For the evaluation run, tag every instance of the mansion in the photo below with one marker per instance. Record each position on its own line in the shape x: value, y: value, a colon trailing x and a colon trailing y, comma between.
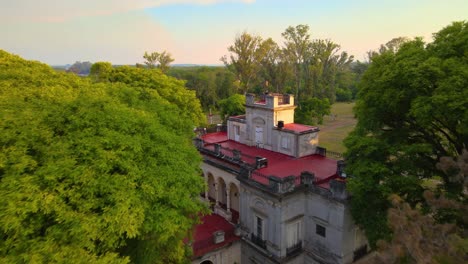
x: 276, y: 196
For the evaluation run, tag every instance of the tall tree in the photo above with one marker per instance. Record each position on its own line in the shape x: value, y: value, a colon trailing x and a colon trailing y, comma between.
x: 296, y: 47
x: 412, y: 110
x: 393, y: 46
x: 275, y: 67
x: 325, y: 63
x: 244, y: 60
x: 151, y: 59
x: 165, y: 58
x: 159, y: 60
x: 93, y: 172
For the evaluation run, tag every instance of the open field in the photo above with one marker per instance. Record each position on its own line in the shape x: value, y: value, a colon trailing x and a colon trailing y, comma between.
x: 337, y: 126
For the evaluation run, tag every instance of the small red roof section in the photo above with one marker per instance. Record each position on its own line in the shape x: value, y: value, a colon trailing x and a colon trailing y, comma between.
x: 299, y: 128
x: 215, y: 137
x: 238, y: 117
x: 281, y: 165
x: 203, y: 241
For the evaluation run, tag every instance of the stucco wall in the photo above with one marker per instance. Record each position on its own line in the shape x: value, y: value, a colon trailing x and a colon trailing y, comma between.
x: 229, y: 254
x: 311, y: 209
x: 286, y: 115
x: 308, y: 144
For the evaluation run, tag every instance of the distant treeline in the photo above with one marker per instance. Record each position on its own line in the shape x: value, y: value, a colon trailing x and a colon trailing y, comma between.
x: 214, y: 83
x: 210, y: 84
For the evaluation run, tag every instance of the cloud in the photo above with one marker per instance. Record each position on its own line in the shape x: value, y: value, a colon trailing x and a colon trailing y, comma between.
x: 60, y: 11
x: 118, y: 38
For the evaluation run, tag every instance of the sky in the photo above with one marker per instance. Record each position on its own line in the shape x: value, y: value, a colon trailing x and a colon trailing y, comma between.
x: 60, y: 32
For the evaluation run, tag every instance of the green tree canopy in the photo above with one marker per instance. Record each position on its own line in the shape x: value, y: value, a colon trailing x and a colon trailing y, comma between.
x: 312, y: 111
x: 246, y: 54
x: 95, y: 172
x: 303, y: 66
x: 100, y: 71
x: 231, y: 106
x: 412, y: 110
x: 160, y: 85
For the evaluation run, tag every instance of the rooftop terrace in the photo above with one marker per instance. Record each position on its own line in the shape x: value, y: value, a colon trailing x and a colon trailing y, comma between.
x: 266, y: 163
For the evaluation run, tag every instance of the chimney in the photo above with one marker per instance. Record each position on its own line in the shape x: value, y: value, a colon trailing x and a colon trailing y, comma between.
x: 218, y: 237
x: 280, y: 124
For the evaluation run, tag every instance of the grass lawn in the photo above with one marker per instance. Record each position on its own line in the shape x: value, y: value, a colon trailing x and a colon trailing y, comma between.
x: 337, y: 126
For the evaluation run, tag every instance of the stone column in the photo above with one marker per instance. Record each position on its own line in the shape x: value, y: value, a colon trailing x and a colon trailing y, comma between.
x: 228, y: 198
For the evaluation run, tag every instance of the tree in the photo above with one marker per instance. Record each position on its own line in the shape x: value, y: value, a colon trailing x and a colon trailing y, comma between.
x: 94, y: 171
x: 100, y: 71
x: 412, y: 110
x: 210, y: 83
x: 81, y: 68
x: 244, y: 60
x: 419, y: 237
x: 232, y: 106
x: 162, y: 59
x: 392, y: 46
x: 325, y: 65
x: 169, y: 88
x: 312, y: 111
x: 151, y: 59
x: 296, y: 47
x: 308, y: 68
x: 275, y: 67
x: 165, y: 59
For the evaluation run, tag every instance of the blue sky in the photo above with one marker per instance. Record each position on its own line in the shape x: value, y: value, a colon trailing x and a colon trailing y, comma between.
x: 199, y: 31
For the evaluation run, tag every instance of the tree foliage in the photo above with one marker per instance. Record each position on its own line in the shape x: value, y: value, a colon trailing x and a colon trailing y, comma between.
x: 420, y: 237
x: 246, y: 54
x: 297, y: 45
x: 81, y: 68
x: 100, y: 71
x: 231, y: 106
x: 95, y: 172
x: 412, y: 110
x: 159, y: 60
x: 312, y: 111
x: 308, y: 68
x: 210, y: 84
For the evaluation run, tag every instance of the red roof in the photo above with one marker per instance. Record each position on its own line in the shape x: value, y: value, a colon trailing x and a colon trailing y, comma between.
x: 215, y: 137
x: 281, y: 165
x: 299, y: 128
x: 238, y: 117
x: 203, y: 241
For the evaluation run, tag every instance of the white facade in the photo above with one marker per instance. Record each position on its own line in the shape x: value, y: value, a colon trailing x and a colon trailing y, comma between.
x: 287, y: 219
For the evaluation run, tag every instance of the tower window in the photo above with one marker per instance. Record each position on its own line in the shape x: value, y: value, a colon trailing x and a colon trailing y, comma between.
x: 320, y: 230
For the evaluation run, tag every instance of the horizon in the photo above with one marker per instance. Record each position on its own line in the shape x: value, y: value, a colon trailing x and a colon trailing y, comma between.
x: 199, y: 31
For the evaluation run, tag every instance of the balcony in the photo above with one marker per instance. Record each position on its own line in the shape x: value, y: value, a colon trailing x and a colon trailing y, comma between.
x: 258, y: 241
x: 295, y: 249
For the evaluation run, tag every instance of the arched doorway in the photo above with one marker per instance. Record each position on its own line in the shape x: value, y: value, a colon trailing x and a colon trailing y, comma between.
x: 234, y: 197
x: 222, y: 195
x: 207, y: 262
x: 211, y: 187
x: 234, y: 202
